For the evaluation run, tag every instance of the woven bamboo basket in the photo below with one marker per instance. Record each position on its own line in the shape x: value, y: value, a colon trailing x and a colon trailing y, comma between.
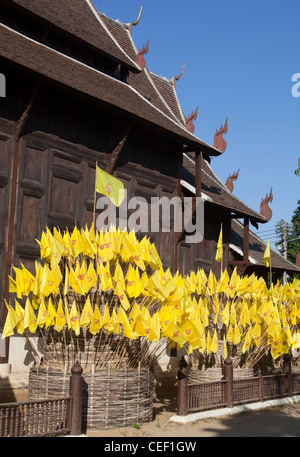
x: 111, y: 398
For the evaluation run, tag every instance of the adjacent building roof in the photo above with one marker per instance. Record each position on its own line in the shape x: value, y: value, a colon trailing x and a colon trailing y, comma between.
x: 257, y: 249
x: 216, y: 191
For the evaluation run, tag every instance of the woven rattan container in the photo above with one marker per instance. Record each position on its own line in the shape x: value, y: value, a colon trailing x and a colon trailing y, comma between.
x: 111, y: 398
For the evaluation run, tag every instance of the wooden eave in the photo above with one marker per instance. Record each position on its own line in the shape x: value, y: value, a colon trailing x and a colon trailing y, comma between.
x: 218, y: 194
x: 93, y: 84
x: 78, y: 19
x: 257, y: 249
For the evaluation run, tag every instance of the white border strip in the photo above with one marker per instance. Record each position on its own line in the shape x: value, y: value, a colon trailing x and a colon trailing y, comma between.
x: 235, y: 410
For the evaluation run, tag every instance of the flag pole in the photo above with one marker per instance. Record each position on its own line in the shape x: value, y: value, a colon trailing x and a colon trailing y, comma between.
x: 94, y: 212
x: 222, y: 249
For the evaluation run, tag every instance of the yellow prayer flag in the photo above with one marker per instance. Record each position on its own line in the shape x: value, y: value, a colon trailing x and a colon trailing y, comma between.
x: 96, y: 322
x: 173, y: 332
x: 267, y: 255
x: 127, y: 329
x: 109, y: 186
x: 60, y: 319
x: 74, y: 319
x: 29, y: 317
x: 10, y: 322
x: 42, y: 314
x: 87, y: 313
x: 51, y: 314
x: 219, y: 252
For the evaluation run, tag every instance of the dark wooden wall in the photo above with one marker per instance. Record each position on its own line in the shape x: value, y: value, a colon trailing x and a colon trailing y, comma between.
x: 60, y: 143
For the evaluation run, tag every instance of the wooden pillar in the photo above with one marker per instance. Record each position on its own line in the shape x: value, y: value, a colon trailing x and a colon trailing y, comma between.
x: 198, y: 173
x: 260, y: 385
x: 287, y: 370
x: 228, y: 375
x: 76, y: 385
x: 246, y: 240
x: 182, y: 388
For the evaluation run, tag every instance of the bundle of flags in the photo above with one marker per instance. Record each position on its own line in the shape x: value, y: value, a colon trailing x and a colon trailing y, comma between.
x: 190, y: 311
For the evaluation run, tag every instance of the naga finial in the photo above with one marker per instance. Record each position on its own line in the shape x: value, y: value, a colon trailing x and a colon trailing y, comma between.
x: 176, y: 78
x: 134, y: 23
x: 264, y: 208
x: 189, y: 121
x: 230, y: 179
x: 140, y: 59
x: 219, y: 142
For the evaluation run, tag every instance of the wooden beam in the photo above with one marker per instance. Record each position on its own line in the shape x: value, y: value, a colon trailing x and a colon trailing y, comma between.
x: 198, y: 173
x: 18, y: 130
x: 115, y: 153
x: 246, y: 240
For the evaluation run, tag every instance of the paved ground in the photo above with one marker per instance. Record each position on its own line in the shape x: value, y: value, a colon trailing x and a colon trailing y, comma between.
x: 283, y: 421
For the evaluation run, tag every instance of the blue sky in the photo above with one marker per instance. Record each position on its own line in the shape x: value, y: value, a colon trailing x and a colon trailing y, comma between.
x: 240, y: 56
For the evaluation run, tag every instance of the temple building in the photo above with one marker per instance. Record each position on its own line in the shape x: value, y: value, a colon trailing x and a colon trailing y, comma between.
x: 79, y: 93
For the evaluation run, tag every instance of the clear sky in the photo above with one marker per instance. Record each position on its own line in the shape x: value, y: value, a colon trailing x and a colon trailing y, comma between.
x: 241, y: 56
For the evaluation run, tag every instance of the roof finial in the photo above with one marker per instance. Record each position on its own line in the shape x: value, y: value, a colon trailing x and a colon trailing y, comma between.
x: 140, y: 60
x: 176, y: 78
x: 264, y: 208
x: 134, y: 23
x: 219, y: 142
x: 189, y: 121
x: 230, y: 179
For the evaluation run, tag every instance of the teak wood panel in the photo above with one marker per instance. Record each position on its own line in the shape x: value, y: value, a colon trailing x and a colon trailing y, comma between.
x: 6, y: 157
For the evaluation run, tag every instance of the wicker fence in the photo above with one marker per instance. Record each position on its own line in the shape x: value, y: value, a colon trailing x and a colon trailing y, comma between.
x: 110, y: 398
x: 229, y: 392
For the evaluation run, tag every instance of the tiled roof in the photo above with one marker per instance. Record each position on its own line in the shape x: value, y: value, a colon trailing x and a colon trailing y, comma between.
x: 213, y: 188
x: 166, y: 88
x: 80, y: 19
x: 150, y: 86
x: 257, y: 249
x: 108, y: 91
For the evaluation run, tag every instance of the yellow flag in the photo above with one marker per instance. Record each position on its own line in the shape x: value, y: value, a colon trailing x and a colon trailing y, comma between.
x: 10, y: 322
x: 267, y: 255
x: 29, y: 317
x: 119, y: 291
x: 219, y: 252
x: 74, y: 319
x: 214, y: 342
x: 20, y: 313
x: 87, y: 313
x: 127, y: 329
x: 51, y: 314
x: 12, y: 285
x: 42, y: 314
x: 173, y: 332
x: 96, y: 322
x: 110, y: 187
x: 67, y: 314
x: 60, y: 319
